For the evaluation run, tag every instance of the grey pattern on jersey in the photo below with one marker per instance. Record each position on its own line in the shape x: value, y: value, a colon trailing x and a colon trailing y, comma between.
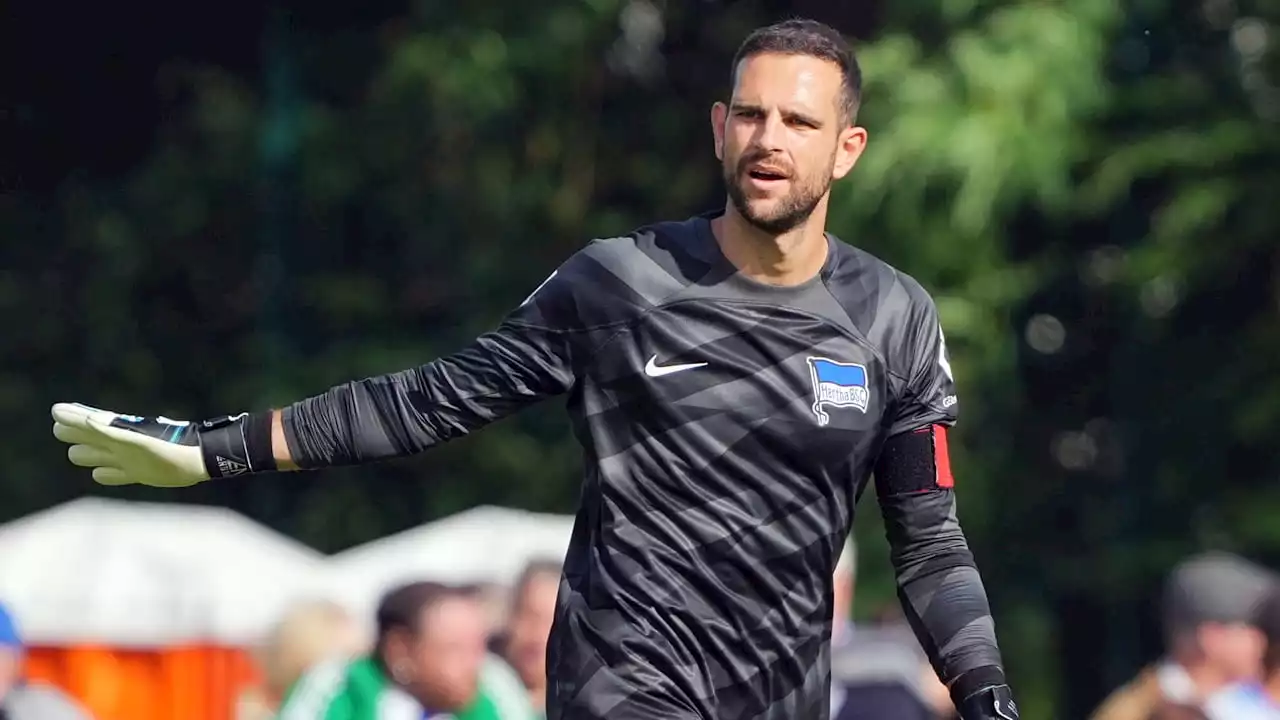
x: 728, y: 428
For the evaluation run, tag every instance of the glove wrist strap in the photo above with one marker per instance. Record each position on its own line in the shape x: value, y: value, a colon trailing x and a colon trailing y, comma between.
x: 983, y: 694
x: 993, y: 703
x: 237, y: 445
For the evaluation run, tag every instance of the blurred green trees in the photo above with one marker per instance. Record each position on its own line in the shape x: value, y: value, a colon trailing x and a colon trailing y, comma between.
x: 1088, y: 188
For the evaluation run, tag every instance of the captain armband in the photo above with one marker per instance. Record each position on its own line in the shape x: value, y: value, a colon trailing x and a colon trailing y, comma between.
x: 914, y: 462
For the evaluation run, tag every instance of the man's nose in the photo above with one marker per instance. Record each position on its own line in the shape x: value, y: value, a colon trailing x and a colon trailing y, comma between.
x: 770, y: 131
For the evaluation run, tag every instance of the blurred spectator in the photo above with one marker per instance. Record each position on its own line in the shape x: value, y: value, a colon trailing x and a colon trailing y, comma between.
x: 876, y: 672
x: 1256, y: 700
x: 495, y: 598
x: 19, y: 700
x: 1210, y: 603
x: 429, y: 662
x: 529, y: 625
x: 844, y: 581
x: 502, y: 694
x: 309, y: 633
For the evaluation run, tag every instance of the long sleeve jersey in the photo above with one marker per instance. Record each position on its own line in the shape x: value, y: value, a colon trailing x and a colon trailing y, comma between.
x: 728, y: 428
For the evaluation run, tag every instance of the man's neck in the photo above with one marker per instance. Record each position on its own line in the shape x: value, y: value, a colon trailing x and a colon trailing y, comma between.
x: 791, y: 258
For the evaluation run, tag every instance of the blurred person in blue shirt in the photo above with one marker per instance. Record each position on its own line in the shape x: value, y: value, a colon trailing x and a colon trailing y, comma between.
x: 22, y: 701
x: 1209, y: 608
x: 10, y: 655
x: 1256, y: 700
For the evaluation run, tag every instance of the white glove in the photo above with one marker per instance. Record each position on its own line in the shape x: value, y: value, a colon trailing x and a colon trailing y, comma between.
x: 127, y: 449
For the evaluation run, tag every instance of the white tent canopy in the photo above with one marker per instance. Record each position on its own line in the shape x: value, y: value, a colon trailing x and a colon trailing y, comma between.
x: 142, y: 574
x: 486, y: 544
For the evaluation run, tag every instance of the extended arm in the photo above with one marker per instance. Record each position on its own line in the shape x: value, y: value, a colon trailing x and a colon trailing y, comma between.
x: 530, y: 356
x: 408, y: 412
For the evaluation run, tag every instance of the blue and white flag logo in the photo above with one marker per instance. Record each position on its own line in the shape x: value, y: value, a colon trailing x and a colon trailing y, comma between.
x: 837, y: 384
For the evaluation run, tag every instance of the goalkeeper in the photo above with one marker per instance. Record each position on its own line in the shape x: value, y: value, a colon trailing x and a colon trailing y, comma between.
x: 736, y: 379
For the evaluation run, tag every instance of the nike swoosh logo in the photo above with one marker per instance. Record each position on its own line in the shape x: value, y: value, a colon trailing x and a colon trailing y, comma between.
x: 653, y: 369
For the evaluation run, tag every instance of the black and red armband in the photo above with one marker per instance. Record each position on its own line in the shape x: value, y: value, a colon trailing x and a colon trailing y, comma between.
x: 914, y: 462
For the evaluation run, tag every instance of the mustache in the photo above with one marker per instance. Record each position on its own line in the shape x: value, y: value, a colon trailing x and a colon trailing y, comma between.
x: 765, y: 161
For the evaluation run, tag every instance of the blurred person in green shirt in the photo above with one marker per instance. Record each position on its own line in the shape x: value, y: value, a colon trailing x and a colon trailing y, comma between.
x: 429, y: 663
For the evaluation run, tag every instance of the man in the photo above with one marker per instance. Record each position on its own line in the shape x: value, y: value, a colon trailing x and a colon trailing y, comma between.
x: 533, y: 610
x: 1209, y: 612
x: 735, y: 379
x: 1256, y: 700
x: 877, y: 670
x: 309, y: 633
x: 20, y: 701
x: 429, y: 663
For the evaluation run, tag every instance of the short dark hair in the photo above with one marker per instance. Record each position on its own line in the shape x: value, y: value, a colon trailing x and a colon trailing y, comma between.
x: 402, y: 607
x: 814, y: 39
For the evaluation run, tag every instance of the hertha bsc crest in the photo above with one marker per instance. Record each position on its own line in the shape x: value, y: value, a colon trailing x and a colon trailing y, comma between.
x: 837, y: 385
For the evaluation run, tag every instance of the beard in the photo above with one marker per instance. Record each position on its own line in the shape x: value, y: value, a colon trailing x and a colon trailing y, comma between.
x: 786, y: 213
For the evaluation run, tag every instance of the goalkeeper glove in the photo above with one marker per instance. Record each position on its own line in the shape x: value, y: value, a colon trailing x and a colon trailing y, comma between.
x: 982, y: 694
x: 128, y: 449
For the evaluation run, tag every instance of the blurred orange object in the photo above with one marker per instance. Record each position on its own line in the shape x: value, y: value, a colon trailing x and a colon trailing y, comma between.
x: 178, y: 683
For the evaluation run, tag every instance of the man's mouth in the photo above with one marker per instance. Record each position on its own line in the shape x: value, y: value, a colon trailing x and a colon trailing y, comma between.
x: 760, y: 173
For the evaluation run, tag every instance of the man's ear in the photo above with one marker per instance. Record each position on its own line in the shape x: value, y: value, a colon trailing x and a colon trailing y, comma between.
x: 395, y: 646
x: 853, y: 140
x: 719, y: 115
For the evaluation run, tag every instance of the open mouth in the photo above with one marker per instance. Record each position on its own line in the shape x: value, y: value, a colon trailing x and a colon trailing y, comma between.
x: 766, y: 174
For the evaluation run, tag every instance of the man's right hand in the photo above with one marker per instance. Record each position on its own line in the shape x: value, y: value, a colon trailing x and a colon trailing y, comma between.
x: 128, y: 450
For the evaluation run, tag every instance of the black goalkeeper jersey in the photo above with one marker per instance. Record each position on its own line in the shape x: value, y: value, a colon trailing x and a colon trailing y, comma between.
x: 728, y: 428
